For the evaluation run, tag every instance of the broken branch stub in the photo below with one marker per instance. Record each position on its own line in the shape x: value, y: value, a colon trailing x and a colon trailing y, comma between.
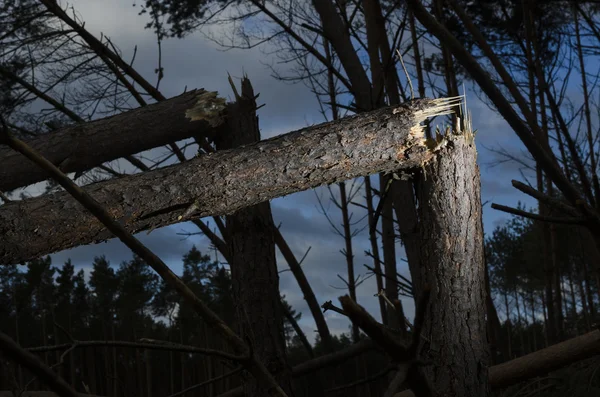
x: 384, y: 140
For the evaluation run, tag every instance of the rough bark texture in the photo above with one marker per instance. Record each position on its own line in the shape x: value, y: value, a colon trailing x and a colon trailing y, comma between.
x: 84, y: 146
x: 452, y: 266
x: 223, y: 182
x: 254, y: 273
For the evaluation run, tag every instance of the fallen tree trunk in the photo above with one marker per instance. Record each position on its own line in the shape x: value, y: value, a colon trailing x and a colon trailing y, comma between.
x: 83, y: 146
x: 220, y: 183
x: 540, y: 362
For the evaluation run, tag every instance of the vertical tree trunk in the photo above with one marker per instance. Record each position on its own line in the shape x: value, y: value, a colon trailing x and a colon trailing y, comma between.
x: 519, y: 323
x: 91, y: 356
x: 115, y: 379
x: 533, y: 321
x: 171, y: 373
x: 454, y: 330
x: 494, y: 330
x: 589, y: 258
x: 551, y: 330
x: 253, y: 269
x: 182, y: 360
x: 106, y: 360
x: 546, y: 321
x: 148, y: 373
x: 138, y: 366
x: 508, y: 328
x: 348, y: 253
x: 374, y: 247
x: 557, y: 281
x: 388, y: 239
x: 18, y: 333
x: 382, y: 75
x: 449, y: 73
x: 572, y: 293
x: 583, y: 298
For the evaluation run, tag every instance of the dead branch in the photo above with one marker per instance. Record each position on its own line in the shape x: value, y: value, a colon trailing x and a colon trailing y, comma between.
x: 537, y: 217
x: 399, y: 350
x: 21, y: 356
x: 144, y: 344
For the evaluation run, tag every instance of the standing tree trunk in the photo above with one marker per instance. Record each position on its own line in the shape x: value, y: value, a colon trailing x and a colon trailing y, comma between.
x: 494, y: 329
x: 347, y: 251
x: 388, y: 239
x: 253, y: 267
x: 374, y: 248
x: 454, y: 330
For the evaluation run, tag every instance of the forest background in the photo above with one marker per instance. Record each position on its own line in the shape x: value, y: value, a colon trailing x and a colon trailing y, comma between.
x: 129, y: 292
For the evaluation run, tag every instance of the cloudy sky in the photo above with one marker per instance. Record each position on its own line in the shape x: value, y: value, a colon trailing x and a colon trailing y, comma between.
x: 195, y: 62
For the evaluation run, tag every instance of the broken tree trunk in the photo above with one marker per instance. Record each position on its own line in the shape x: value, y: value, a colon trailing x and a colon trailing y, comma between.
x: 450, y: 342
x: 385, y: 140
x: 452, y: 267
x: 251, y: 247
x: 80, y: 147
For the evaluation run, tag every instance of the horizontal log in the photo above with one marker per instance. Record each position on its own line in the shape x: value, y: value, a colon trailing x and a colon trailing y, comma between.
x: 540, y: 362
x: 81, y: 147
x: 385, y: 140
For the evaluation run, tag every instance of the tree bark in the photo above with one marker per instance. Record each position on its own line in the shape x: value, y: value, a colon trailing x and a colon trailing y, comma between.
x: 452, y: 266
x: 221, y: 183
x: 84, y: 146
x: 254, y: 275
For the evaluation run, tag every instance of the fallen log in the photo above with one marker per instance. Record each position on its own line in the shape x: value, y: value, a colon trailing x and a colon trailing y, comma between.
x: 80, y: 147
x: 540, y: 362
x: 385, y: 140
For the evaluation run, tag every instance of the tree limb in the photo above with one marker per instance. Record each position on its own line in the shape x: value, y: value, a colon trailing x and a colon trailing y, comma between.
x: 21, y: 356
x: 79, y: 147
x: 223, y: 182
